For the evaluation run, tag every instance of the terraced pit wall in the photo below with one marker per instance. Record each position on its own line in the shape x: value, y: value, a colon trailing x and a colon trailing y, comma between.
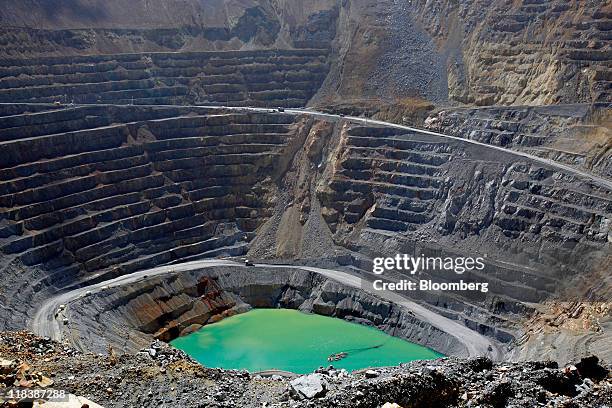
x: 132, y: 188
x: 137, y: 187
x: 394, y: 192
x: 482, y: 52
x: 533, y: 52
x: 578, y: 135
x: 263, y: 78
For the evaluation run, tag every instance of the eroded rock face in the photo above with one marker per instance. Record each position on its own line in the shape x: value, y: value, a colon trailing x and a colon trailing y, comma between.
x: 391, y: 193
x: 387, y: 180
x: 477, y: 52
x: 500, y: 53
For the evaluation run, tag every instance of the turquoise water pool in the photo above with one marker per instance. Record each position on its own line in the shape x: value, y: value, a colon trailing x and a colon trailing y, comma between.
x: 289, y: 340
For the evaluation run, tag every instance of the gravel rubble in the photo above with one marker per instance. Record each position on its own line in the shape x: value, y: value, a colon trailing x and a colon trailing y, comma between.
x: 161, y: 376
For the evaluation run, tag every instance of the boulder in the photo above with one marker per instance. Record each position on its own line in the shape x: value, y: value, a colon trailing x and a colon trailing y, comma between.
x: 310, y: 386
x: 371, y: 374
x: 6, y: 366
x: 497, y: 393
x: 480, y: 364
x: 589, y: 367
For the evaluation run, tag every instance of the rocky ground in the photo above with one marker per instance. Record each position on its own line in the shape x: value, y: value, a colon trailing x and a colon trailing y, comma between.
x: 160, y: 376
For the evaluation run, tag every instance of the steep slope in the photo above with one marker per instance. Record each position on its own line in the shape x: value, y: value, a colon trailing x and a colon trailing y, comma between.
x: 91, y: 192
x: 129, y: 189
x: 100, y: 192
x: 579, y: 135
x: 232, y: 78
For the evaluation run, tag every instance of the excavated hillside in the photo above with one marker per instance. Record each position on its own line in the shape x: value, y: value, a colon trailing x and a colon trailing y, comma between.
x: 147, y: 145
x: 578, y: 135
x: 232, y: 78
x: 68, y: 27
x: 96, y: 192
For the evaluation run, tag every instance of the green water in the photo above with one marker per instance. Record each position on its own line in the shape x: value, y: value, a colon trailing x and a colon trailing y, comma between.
x: 289, y: 340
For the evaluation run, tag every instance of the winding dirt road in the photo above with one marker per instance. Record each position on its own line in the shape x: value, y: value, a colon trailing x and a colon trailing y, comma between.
x: 46, y: 323
x: 600, y: 181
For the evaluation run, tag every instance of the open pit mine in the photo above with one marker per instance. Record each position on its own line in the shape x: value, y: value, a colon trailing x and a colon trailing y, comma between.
x: 430, y: 181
